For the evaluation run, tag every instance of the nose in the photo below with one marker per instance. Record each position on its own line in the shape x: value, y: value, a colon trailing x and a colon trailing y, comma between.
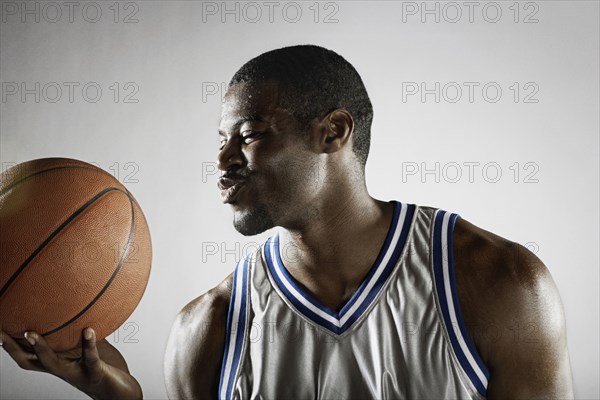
x: 230, y: 157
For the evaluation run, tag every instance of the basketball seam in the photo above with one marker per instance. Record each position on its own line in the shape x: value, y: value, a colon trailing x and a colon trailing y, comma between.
x: 47, y: 170
x: 14, y: 276
x: 112, y: 277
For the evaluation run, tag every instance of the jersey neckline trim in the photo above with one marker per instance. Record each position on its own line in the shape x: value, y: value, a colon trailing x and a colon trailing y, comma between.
x: 340, y: 321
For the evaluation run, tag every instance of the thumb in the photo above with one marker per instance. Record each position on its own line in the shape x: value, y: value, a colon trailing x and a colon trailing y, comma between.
x: 91, y: 358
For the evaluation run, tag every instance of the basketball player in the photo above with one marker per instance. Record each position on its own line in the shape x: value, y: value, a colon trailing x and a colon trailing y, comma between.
x: 353, y: 297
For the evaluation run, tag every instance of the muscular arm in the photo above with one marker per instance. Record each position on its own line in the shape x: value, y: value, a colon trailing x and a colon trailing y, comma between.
x: 194, y: 352
x: 513, y: 310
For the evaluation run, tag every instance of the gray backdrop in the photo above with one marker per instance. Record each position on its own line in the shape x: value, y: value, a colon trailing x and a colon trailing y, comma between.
x: 488, y: 109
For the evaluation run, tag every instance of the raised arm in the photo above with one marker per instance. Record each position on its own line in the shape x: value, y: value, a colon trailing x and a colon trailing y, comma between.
x: 194, y: 352
x: 516, y: 316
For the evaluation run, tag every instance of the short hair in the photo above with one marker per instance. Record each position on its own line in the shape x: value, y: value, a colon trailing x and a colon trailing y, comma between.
x: 314, y: 81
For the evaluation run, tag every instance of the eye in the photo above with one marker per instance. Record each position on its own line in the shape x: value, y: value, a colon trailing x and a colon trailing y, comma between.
x: 222, y: 144
x: 249, y: 136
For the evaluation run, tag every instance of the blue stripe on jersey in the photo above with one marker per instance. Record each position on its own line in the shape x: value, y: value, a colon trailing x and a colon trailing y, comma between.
x: 276, y: 265
x: 459, y: 316
x: 301, y: 307
x: 388, y: 268
x: 236, y: 317
x: 386, y: 245
x: 228, y: 331
x: 445, y: 250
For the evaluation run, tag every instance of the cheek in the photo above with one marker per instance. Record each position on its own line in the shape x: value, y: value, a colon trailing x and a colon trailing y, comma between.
x: 284, y: 170
x: 311, y: 177
x: 266, y: 165
x: 298, y: 177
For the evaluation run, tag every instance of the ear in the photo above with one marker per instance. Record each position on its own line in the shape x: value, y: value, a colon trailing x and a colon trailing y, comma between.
x: 336, y: 128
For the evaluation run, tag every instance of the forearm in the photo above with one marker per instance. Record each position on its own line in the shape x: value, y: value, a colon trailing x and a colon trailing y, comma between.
x: 118, y: 387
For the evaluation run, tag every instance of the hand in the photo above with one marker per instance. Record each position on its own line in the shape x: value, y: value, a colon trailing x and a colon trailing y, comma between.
x: 105, y: 377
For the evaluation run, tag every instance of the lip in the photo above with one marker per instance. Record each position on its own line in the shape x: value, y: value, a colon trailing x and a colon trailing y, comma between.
x: 229, y: 194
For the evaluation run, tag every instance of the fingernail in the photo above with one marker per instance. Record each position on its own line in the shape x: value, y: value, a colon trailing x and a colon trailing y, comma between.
x: 88, y: 334
x: 29, y: 338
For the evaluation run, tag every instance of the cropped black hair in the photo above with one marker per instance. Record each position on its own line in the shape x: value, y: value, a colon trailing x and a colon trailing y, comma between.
x: 314, y: 81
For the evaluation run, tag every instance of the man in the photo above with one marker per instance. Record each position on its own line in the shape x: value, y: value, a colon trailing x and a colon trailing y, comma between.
x: 354, y: 297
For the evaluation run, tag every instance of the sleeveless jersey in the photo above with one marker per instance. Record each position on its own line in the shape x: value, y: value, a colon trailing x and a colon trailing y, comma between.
x: 400, y: 336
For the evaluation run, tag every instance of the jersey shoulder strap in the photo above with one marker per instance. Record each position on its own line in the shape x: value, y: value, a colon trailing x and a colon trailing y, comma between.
x: 446, y: 294
x: 237, y: 326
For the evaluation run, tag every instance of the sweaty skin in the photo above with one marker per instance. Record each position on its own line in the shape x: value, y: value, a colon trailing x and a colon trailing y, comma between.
x: 509, y: 301
x: 312, y: 186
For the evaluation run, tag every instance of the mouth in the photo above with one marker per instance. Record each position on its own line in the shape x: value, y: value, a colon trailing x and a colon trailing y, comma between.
x: 230, y: 188
x: 229, y: 194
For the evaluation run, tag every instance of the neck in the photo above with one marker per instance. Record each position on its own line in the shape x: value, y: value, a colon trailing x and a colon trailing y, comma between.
x: 335, y: 249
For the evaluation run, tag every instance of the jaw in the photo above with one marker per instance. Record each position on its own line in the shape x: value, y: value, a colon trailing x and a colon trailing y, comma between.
x: 252, y: 221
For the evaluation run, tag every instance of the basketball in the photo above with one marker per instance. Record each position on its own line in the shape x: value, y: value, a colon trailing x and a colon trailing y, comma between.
x: 75, y: 251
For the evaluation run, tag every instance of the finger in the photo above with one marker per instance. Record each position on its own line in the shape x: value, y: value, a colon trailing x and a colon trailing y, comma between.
x: 46, y: 356
x: 91, y: 358
x: 24, y: 359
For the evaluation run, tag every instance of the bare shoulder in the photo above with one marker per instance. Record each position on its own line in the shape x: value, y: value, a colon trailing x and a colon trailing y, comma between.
x: 513, y: 310
x: 494, y: 272
x: 496, y: 263
x: 194, y: 351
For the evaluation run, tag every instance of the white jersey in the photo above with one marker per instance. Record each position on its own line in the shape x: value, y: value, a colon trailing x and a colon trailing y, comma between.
x: 400, y: 336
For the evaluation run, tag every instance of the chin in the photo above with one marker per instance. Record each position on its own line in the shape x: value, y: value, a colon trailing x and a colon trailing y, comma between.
x: 253, y: 221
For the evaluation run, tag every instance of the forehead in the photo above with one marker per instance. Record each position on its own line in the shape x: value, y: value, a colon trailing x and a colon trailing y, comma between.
x: 249, y: 98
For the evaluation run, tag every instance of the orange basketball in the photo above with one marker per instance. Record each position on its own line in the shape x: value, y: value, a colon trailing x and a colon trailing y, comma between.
x: 75, y: 251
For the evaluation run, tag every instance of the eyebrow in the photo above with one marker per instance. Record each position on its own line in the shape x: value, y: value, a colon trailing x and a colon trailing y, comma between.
x: 240, y: 121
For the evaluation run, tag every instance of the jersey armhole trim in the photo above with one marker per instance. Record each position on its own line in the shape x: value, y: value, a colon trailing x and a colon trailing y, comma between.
x: 447, y: 294
x: 235, y: 333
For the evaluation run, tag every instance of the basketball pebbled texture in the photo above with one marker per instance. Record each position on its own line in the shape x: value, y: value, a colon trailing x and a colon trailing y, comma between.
x: 75, y: 251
